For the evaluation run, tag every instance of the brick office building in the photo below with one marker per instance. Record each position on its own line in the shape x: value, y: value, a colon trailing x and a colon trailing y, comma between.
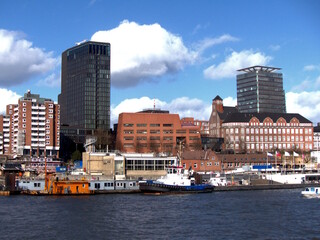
x: 31, y: 127
x: 156, y: 131
x: 259, y: 132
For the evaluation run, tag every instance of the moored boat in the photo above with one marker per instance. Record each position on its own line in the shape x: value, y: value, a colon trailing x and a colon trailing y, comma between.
x: 177, y: 180
x: 311, y: 192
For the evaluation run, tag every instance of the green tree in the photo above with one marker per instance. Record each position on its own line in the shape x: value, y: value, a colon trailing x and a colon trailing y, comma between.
x: 76, y: 155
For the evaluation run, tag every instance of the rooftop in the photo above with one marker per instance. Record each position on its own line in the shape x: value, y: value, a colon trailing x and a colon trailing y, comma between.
x: 258, y: 68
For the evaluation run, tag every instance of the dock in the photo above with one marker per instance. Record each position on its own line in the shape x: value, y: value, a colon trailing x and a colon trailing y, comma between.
x: 264, y: 187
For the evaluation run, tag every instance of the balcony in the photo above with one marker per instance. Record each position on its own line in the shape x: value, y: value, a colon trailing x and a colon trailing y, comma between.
x: 34, y: 107
x: 34, y: 113
x: 42, y: 118
x: 34, y: 118
x: 42, y: 108
x: 34, y: 129
x: 42, y: 113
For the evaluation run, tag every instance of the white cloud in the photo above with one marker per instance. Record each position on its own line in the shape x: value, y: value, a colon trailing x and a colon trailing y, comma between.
x: 275, y: 47
x: 306, y: 104
x: 183, y: 106
x: 311, y: 67
x: 19, y: 60
x: 307, y: 85
x: 209, y: 42
x: 7, y: 97
x: 53, y: 80
x: 140, y: 52
x: 235, y: 61
x: 230, y: 101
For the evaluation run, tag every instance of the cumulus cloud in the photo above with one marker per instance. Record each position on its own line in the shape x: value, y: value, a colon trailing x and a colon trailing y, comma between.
x: 306, y: 104
x: 235, y: 61
x: 230, y: 101
x: 142, y: 52
x: 183, y: 106
x: 19, y: 60
x: 7, y: 97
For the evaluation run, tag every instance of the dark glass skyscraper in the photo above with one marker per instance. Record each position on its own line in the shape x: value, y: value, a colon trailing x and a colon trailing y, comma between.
x: 260, y: 89
x: 85, y: 86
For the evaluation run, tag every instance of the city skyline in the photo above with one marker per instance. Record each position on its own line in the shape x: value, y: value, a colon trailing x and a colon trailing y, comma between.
x: 175, y: 55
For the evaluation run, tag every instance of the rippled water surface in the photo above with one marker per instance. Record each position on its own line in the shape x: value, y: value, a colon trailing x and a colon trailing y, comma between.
x: 272, y: 214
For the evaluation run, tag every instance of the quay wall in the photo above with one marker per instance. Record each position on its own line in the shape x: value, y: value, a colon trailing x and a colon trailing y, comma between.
x: 264, y: 187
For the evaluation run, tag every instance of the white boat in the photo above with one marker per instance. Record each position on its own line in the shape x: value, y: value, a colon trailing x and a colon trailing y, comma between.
x: 218, y: 181
x: 311, y: 192
x: 177, y: 180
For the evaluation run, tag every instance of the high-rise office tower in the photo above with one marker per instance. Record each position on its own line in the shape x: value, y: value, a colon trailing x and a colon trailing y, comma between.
x: 85, y: 86
x: 260, y: 89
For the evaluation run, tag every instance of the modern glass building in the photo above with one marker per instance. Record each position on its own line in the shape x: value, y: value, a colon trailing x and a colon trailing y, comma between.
x: 260, y: 90
x: 85, y: 86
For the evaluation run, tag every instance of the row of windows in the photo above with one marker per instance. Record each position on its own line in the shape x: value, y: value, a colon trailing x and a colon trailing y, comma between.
x: 269, y: 131
x: 126, y: 138
x: 145, y: 125
x: 158, y: 132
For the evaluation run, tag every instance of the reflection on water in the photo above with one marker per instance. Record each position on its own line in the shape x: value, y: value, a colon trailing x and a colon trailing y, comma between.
x: 273, y: 214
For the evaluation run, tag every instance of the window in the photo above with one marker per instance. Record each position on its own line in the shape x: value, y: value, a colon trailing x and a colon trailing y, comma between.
x: 141, y: 125
x: 195, y: 165
x: 128, y: 125
x: 155, y: 125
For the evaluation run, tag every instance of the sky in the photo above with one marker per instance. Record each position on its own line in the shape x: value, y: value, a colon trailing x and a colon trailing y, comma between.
x: 175, y: 54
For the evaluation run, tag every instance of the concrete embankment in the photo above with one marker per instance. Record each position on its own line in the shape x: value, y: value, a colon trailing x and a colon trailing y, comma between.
x: 264, y: 187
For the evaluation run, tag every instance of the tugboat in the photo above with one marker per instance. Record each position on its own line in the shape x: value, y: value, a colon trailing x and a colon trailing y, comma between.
x: 177, y: 180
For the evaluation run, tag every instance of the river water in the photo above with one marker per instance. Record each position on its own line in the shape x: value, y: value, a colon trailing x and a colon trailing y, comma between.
x: 269, y: 214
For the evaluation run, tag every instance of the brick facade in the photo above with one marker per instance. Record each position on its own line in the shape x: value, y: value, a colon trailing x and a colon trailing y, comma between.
x: 159, y: 132
x: 31, y: 127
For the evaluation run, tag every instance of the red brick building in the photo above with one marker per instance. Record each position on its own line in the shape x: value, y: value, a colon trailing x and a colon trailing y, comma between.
x: 156, y: 131
x: 31, y: 127
x: 201, y: 161
x: 260, y: 132
x: 210, y: 161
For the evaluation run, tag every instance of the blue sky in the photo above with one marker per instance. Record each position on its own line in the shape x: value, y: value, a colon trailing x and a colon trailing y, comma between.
x: 178, y: 54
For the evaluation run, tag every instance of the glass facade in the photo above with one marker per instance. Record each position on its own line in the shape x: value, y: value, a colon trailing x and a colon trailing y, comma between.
x: 260, y: 90
x: 85, y: 86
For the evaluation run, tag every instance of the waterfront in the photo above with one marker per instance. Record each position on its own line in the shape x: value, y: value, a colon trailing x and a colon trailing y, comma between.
x: 268, y: 214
